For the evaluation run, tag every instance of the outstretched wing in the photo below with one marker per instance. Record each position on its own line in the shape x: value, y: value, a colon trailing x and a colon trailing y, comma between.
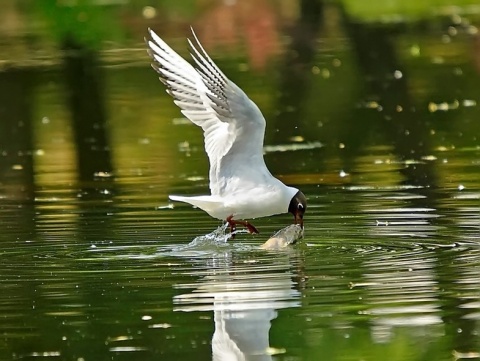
x: 233, y: 125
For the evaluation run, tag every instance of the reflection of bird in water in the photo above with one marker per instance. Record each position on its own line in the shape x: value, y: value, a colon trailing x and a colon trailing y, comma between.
x: 243, y: 308
x: 241, y: 186
x: 244, y: 301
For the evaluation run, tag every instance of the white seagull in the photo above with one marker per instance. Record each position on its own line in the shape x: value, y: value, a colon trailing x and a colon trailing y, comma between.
x: 241, y: 186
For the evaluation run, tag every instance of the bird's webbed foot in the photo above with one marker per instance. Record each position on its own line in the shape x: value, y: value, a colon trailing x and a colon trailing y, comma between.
x: 233, y: 226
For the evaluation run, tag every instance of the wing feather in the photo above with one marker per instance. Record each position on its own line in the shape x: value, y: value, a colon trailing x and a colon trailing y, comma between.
x: 233, y: 125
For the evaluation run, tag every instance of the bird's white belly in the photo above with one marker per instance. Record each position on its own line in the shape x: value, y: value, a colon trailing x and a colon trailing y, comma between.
x: 252, y: 204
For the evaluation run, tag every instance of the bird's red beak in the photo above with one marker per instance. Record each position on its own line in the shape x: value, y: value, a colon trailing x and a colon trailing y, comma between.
x: 299, y: 219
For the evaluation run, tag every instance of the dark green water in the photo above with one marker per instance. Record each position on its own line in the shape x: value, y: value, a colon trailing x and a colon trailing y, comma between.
x: 377, y: 123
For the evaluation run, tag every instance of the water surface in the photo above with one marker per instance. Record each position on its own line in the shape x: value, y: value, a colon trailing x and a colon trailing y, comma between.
x: 376, y: 122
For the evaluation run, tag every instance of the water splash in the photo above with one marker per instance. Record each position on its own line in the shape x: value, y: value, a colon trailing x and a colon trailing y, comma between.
x: 217, y: 237
x: 208, y: 244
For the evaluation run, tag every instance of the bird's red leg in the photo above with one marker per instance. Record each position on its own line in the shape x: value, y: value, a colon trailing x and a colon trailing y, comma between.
x: 251, y: 228
x: 233, y: 225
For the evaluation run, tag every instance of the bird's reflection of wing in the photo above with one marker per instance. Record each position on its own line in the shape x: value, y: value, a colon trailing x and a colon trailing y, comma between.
x: 242, y: 335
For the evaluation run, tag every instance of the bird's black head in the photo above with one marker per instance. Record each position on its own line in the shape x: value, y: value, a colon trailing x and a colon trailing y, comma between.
x: 297, y: 207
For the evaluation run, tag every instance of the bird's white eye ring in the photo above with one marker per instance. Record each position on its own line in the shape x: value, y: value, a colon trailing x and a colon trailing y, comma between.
x: 300, y: 205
